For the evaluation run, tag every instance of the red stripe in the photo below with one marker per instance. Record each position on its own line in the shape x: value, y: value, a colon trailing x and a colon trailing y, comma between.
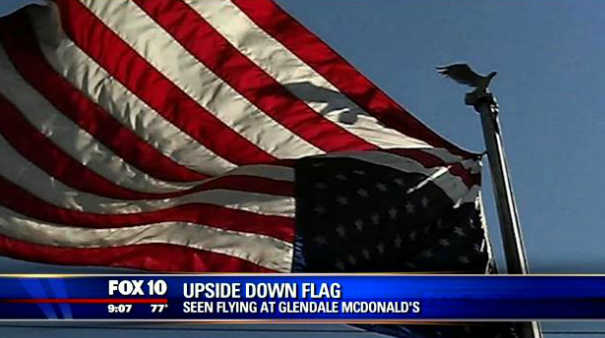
x: 21, y: 201
x: 319, y: 56
x: 213, y: 50
x: 55, y: 162
x: 467, y: 177
x: 20, y: 43
x: 85, y: 300
x: 154, y: 257
x: 430, y: 161
x: 152, y: 87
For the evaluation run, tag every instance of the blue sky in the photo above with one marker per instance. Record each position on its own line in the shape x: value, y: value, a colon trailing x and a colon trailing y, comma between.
x: 550, y: 86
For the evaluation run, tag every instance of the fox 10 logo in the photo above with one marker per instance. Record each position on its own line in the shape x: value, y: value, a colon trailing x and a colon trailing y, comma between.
x: 137, y: 287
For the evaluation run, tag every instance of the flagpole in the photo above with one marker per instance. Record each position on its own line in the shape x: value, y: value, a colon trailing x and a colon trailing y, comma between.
x: 512, y: 239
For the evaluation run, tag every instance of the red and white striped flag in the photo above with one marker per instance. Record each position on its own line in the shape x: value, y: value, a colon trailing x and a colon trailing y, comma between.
x: 163, y: 135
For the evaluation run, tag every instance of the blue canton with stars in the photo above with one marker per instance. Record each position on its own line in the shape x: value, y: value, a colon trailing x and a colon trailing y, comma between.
x: 354, y: 216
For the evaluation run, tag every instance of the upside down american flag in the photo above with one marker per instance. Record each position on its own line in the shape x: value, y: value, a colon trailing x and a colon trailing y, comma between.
x: 215, y: 136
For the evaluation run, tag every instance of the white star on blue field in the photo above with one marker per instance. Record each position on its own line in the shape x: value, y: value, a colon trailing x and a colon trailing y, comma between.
x: 551, y: 90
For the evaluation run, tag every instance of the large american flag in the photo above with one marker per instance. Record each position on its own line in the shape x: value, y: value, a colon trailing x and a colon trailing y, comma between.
x: 216, y: 135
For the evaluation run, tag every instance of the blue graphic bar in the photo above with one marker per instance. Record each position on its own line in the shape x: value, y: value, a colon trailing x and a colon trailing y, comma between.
x: 264, y: 297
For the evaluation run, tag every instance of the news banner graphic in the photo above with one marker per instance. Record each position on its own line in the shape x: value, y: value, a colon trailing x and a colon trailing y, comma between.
x: 350, y: 298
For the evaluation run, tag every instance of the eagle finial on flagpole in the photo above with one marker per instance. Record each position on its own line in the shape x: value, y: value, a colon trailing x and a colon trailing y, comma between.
x: 463, y: 74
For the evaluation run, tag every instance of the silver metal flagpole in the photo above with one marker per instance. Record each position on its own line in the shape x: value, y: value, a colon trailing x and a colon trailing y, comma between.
x: 512, y: 239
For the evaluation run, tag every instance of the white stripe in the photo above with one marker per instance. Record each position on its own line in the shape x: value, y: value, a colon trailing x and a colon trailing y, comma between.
x: 474, y: 165
x: 262, y: 250
x: 485, y: 228
x: 472, y: 195
x: 72, y: 139
x: 154, y: 44
x: 23, y: 173
x: 98, y: 85
x: 451, y: 185
x: 273, y: 172
x: 304, y: 82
